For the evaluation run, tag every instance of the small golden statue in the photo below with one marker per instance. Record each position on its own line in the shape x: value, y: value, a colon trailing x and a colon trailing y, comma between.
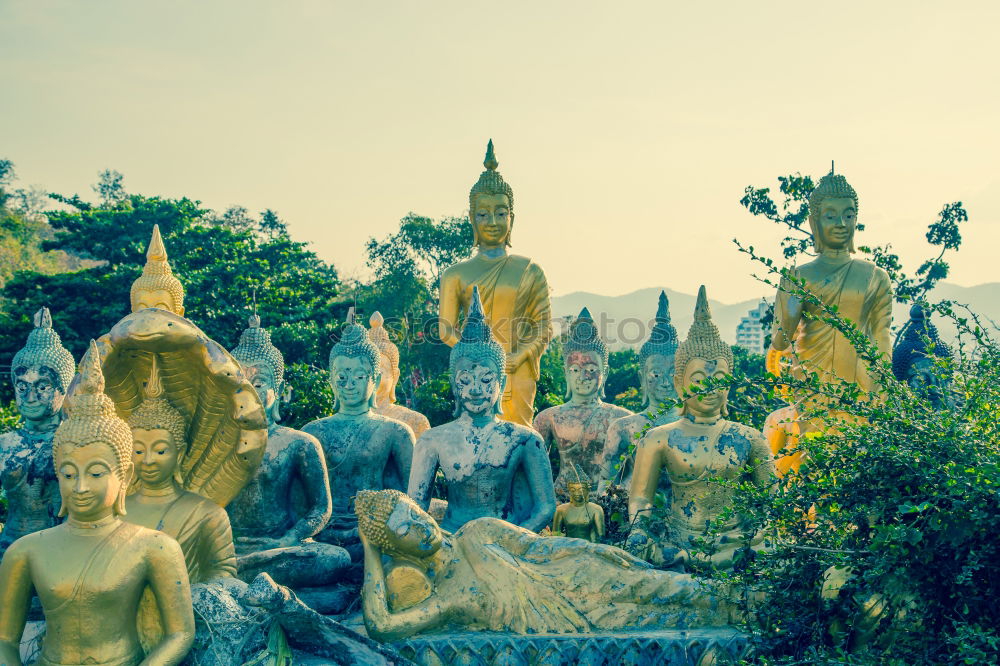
x: 695, y: 452
x: 494, y: 576
x: 513, y: 290
x: 91, y: 571
x: 579, y: 518
x: 157, y: 287
x: 385, y: 395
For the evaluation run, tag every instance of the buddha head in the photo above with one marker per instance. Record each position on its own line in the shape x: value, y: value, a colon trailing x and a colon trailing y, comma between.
x: 394, y: 524
x: 585, y: 358
x: 264, y: 366
x: 354, y: 368
x: 92, y: 449
x: 915, y: 356
x: 656, y: 359
x: 41, y: 372
x: 477, y: 365
x: 701, y: 356
x: 833, y: 213
x: 157, y: 287
x: 388, y: 360
x: 491, y: 206
x: 159, y: 432
x: 579, y: 487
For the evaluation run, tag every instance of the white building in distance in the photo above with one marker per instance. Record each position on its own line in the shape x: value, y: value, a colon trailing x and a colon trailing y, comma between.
x: 750, y: 333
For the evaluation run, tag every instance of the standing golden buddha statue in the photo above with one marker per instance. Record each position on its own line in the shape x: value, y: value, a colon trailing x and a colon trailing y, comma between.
x: 858, y: 289
x: 91, y: 571
x: 514, y: 292
x: 385, y: 394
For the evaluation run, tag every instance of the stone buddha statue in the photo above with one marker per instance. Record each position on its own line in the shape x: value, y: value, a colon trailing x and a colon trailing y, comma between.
x: 656, y: 377
x: 579, y: 518
x: 41, y: 372
x: 694, y: 453
x: 514, y: 293
x: 490, y: 467
x: 157, y: 287
x: 579, y: 427
x: 859, y: 290
x: 91, y: 571
x: 385, y: 395
x: 491, y: 575
x: 364, y: 450
x: 287, y: 502
x: 917, y: 350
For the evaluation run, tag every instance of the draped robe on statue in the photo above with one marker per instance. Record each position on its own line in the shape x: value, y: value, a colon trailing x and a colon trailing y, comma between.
x: 515, y: 298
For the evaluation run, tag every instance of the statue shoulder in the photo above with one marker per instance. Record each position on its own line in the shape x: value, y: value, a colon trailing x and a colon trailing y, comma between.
x: 533, y: 270
x: 393, y: 427
x: 210, y: 511
x: 521, y: 435
x: 316, y: 428
x: 298, y: 438
x: 734, y: 429
x: 617, y: 412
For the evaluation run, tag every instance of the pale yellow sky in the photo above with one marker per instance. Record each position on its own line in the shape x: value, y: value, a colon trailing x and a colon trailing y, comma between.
x: 627, y: 130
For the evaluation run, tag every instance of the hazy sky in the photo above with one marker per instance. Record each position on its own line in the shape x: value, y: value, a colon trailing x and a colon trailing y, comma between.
x: 627, y: 130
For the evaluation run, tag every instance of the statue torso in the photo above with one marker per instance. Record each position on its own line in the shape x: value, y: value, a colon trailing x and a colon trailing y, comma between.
x: 578, y: 521
x: 622, y: 436
x: 28, y: 479
x: 418, y: 422
x: 579, y: 432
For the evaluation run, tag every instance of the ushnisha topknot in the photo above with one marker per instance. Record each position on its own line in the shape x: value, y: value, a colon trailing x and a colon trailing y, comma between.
x: 477, y: 342
x: 583, y: 337
x: 831, y: 186
x: 156, y: 413
x: 92, y: 418
x: 44, y: 348
x: 663, y: 338
x: 354, y: 343
x: 911, y: 347
x: 156, y: 275
x: 373, y: 508
x: 703, y: 340
x: 490, y: 182
x: 255, y: 347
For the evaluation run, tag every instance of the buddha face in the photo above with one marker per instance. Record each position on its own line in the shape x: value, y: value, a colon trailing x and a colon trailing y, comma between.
x: 264, y: 382
x: 411, y: 531
x: 837, y: 219
x: 37, y: 392
x: 88, y: 482
x: 698, y: 370
x: 492, y: 220
x: 578, y: 493
x: 353, y: 382
x: 477, y: 386
x: 658, y: 380
x: 388, y: 376
x: 584, y: 374
x: 155, y: 298
x: 154, y: 456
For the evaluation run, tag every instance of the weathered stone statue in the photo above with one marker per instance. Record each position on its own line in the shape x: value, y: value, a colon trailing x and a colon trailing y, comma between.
x: 385, y: 395
x: 157, y: 287
x: 514, y: 292
x: 859, y: 290
x: 482, y: 458
x: 917, y: 350
x: 656, y: 364
x: 579, y: 518
x: 696, y: 450
x: 494, y: 576
x: 579, y: 427
x: 364, y: 450
x: 288, y: 501
x: 91, y: 571
x: 41, y: 372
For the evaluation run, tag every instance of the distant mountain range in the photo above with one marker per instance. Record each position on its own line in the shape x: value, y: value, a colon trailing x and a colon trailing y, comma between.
x: 624, y: 320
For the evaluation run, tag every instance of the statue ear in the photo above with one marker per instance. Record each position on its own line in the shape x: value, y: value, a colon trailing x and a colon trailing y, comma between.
x: 180, y: 310
x: 128, y: 473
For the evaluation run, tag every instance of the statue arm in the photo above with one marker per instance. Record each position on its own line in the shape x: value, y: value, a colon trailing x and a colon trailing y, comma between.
x: 598, y: 519
x: 761, y: 461
x: 536, y: 319
x: 449, y: 308
x: 382, y: 624
x: 402, y: 454
x: 219, y: 553
x: 425, y: 465
x: 787, y: 313
x: 538, y: 470
x: 880, y: 319
x: 316, y: 482
x: 557, y: 521
x: 15, y: 599
x: 169, y: 581
x: 615, y: 444
x: 645, y: 476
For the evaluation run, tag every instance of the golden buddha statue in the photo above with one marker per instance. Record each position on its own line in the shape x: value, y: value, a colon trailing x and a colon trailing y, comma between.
x: 783, y: 426
x: 90, y: 572
x: 858, y: 289
x: 385, y: 394
x: 696, y: 451
x: 494, y: 576
x: 513, y: 289
x: 157, y: 287
x: 579, y: 518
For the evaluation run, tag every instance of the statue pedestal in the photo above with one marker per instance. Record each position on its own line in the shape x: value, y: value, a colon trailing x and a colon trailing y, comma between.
x: 667, y: 647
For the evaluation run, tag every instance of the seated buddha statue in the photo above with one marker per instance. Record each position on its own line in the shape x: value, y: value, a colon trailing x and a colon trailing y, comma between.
x: 490, y: 467
x: 385, y: 395
x: 656, y: 381
x: 363, y: 450
x: 41, y: 372
x: 694, y: 453
x: 578, y: 428
x: 579, y: 518
x: 287, y: 502
x: 915, y: 355
x: 491, y: 575
x: 784, y: 426
x: 91, y: 571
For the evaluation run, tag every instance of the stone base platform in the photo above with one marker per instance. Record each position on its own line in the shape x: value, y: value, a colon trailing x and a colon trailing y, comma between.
x: 669, y: 647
